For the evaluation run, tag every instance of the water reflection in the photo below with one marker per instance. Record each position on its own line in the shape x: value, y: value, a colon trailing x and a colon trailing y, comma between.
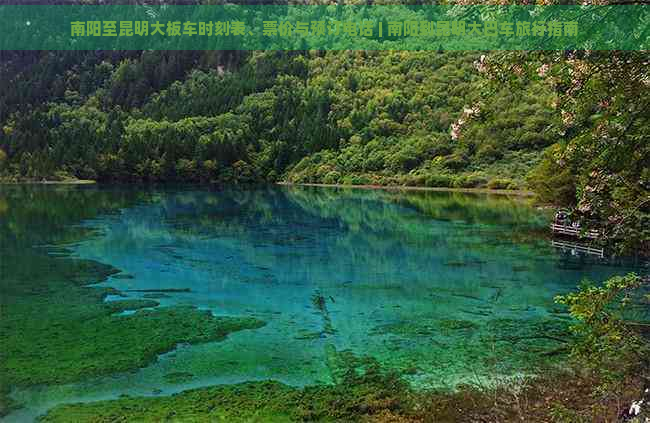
x: 441, y: 287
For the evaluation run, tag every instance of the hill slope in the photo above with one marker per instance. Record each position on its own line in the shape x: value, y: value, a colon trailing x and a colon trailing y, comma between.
x: 336, y: 117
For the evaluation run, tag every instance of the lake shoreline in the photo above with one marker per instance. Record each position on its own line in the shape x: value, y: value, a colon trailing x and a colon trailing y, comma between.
x: 46, y: 182
x: 521, y: 193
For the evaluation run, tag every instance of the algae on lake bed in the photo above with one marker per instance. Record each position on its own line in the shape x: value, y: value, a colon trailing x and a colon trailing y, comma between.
x: 55, y: 329
x: 363, y: 388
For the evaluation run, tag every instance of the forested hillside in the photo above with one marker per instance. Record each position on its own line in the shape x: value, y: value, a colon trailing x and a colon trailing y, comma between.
x: 330, y: 117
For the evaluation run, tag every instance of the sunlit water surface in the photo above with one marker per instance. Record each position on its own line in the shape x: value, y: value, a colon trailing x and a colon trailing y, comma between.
x: 441, y: 287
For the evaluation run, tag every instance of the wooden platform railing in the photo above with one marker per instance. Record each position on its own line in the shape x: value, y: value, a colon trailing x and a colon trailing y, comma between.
x: 571, y: 231
x: 570, y: 246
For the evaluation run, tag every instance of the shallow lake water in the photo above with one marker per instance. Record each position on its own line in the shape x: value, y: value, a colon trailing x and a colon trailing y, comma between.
x: 444, y: 288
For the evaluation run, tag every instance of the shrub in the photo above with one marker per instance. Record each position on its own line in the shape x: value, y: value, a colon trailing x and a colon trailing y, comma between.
x: 360, y: 180
x: 208, y: 169
x: 439, y: 181
x: 186, y: 169
x: 414, y: 180
x: 456, y: 162
x: 374, y: 161
x: 243, y: 172
x: 443, y: 147
x: 403, y: 160
x: 61, y: 175
x: 470, y: 181
x: 356, y: 180
x: 605, y: 342
x: 332, y: 177
x: 552, y: 179
x: 502, y: 183
x: 488, y: 153
x: 87, y: 172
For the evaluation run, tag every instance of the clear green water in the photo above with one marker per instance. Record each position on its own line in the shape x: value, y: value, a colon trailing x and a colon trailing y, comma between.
x: 444, y: 288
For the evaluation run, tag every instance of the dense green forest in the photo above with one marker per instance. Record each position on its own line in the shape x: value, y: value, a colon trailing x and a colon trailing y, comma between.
x: 572, y: 126
x: 328, y: 117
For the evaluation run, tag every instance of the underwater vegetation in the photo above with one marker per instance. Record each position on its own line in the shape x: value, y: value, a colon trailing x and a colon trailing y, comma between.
x: 56, y: 329
x: 364, y: 391
x: 362, y: 388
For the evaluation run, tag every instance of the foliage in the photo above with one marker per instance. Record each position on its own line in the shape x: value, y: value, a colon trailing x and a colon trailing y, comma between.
x: 599, y: 164
x: 501, y: 184
x: 552, y: 182
x: 350, y: 117
x: 605, y: 342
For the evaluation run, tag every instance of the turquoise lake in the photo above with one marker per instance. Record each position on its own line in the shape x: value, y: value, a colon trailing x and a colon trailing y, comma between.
x: 444, y: 288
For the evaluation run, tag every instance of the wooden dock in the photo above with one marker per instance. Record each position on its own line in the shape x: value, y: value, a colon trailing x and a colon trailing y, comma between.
x: 575, y: 232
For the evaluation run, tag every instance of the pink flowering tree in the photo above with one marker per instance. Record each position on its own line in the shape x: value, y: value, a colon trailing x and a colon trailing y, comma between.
x: 600, y: 163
